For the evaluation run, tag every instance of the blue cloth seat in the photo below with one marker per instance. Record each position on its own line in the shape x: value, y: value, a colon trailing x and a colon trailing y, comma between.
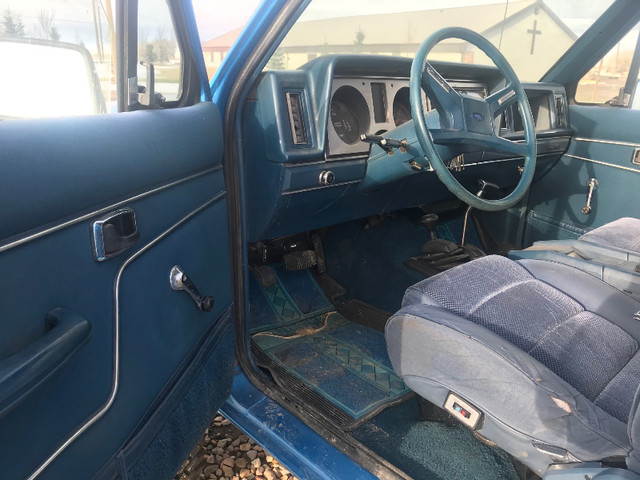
x: 610, y: 252
x: 548, y: 354
x: 621, y: 234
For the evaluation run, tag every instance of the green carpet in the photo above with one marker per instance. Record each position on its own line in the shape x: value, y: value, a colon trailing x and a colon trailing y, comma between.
x: 431, y: 450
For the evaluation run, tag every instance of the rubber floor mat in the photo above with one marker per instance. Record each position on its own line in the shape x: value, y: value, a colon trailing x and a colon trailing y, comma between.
x: 343, y: 362
x: 318, y: 354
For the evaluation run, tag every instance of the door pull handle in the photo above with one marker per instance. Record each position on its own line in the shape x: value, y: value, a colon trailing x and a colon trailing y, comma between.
x: 24, y: 371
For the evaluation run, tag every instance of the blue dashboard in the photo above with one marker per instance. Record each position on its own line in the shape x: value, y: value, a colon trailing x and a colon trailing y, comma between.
x: 306, y: 166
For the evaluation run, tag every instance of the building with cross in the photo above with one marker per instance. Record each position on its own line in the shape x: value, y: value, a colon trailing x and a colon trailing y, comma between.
x: 527, y: 21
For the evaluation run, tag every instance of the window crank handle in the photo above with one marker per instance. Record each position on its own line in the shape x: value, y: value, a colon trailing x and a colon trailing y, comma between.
x: 179, y: 281
x: 592, y: 184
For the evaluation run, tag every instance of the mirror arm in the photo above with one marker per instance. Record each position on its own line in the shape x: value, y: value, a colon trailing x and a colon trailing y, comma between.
x: 148, y: 96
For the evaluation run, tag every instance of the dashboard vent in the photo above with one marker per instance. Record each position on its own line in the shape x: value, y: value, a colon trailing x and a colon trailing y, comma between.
x: 561, y: 111
x: 296, y: 119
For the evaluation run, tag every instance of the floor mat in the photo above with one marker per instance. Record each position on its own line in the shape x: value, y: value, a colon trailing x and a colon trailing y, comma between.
x: 431, y: 450
x: 317, y: 353
x: 295, y: 297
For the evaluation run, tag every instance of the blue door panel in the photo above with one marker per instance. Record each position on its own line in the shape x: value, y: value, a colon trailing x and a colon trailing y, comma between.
x: 602, y: 148
x: 61, y: 175
x: 75, y: 165
x: 206, y: 386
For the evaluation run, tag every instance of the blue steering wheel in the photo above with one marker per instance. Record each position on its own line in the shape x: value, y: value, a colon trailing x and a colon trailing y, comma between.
x: 470, y: 120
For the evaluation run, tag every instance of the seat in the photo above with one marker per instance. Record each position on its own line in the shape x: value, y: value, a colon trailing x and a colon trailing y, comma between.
x: 610, y: 252
x: 546, y: 354
x: 621, y: 234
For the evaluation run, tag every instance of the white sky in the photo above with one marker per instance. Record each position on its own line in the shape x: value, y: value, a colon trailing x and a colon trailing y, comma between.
x: 74, y: 18
x: 216, y: 17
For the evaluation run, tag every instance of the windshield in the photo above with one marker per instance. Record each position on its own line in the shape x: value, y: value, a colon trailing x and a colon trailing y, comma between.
x: 531, y: 34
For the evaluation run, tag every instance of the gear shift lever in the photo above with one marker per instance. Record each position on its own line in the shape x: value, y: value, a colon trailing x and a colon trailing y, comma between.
x: 484, y: 185
x: 430, y: 222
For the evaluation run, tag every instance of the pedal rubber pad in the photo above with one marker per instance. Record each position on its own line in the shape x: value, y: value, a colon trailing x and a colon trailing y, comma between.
x: 300, y: 260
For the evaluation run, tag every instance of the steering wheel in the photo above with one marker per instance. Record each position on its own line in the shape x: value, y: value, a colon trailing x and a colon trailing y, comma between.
x: 466, y: 120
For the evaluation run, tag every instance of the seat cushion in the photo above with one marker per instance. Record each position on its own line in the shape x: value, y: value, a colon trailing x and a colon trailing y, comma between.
x: 623, y: 233
x: 581, y: 347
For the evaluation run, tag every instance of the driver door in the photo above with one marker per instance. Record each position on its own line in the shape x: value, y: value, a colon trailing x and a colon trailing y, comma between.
x: 117, y: 336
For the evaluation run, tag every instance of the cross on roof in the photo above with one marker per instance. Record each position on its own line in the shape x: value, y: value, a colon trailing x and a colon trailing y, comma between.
x: 534, y: 31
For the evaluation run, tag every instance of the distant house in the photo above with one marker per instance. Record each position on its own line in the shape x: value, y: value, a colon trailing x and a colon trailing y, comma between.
x: 529, y: 21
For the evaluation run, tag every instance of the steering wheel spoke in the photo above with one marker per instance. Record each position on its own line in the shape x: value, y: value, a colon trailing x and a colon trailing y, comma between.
x: 443, y: 97
x: 499, y: 144
x: 499, y: 101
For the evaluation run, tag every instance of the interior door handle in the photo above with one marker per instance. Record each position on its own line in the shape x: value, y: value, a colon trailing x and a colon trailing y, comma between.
x: 22, y: 372
x: 592, y: 184
x: 114, y: 233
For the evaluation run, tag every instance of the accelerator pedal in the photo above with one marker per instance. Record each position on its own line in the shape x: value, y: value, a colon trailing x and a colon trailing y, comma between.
x: 299, y: 260
x: 265, y: 275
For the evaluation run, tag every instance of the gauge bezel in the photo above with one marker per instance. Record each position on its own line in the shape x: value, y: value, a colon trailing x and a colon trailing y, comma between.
x: 355, y: 105
x: 401, y: 100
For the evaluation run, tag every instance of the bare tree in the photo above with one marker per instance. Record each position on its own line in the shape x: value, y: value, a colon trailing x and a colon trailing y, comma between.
x: 45, y: 19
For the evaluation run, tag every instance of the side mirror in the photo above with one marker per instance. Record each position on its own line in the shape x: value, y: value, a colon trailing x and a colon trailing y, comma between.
x: 44, y: 78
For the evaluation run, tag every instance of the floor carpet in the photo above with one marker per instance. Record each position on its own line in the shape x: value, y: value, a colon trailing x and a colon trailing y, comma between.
x: 431, y: 450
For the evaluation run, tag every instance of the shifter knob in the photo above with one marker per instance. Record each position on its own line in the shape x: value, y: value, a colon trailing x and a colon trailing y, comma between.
x: 430, y: 222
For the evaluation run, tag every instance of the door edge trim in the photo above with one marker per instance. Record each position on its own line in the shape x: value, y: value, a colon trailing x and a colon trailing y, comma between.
x: 607, y: 142
x: 115, y: 376
x: 22, y: 238
x: 600, y: 162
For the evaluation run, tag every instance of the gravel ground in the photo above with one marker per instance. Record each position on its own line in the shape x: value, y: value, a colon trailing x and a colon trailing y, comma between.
x: 226, y: 453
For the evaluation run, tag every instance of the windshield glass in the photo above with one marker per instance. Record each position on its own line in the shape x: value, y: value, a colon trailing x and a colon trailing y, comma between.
x: 532, y: 34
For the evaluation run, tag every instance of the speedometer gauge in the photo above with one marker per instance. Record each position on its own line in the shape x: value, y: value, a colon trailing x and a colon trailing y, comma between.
x: 344, y: 122
x: 349, y: 114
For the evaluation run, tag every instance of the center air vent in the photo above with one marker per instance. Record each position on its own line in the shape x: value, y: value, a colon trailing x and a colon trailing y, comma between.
x: 296, y: 119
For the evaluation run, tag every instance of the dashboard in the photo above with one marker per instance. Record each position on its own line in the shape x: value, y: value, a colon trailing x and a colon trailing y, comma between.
x: 306, y: 166
x: 366, y: 105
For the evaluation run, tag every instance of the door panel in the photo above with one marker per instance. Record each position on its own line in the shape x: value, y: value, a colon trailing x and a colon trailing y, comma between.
x: 602, y: 148
x: 148, y: 343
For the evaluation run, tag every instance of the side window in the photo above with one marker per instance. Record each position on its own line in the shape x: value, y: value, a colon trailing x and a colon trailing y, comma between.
x: 157, y: 46
x: 613, y: 80
x: 57, y: 59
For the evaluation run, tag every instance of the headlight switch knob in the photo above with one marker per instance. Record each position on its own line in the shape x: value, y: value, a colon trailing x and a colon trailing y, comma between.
x: 326, y: 177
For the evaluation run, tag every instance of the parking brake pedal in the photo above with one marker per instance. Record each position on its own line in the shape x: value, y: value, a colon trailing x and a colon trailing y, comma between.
x: 299, y: 260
